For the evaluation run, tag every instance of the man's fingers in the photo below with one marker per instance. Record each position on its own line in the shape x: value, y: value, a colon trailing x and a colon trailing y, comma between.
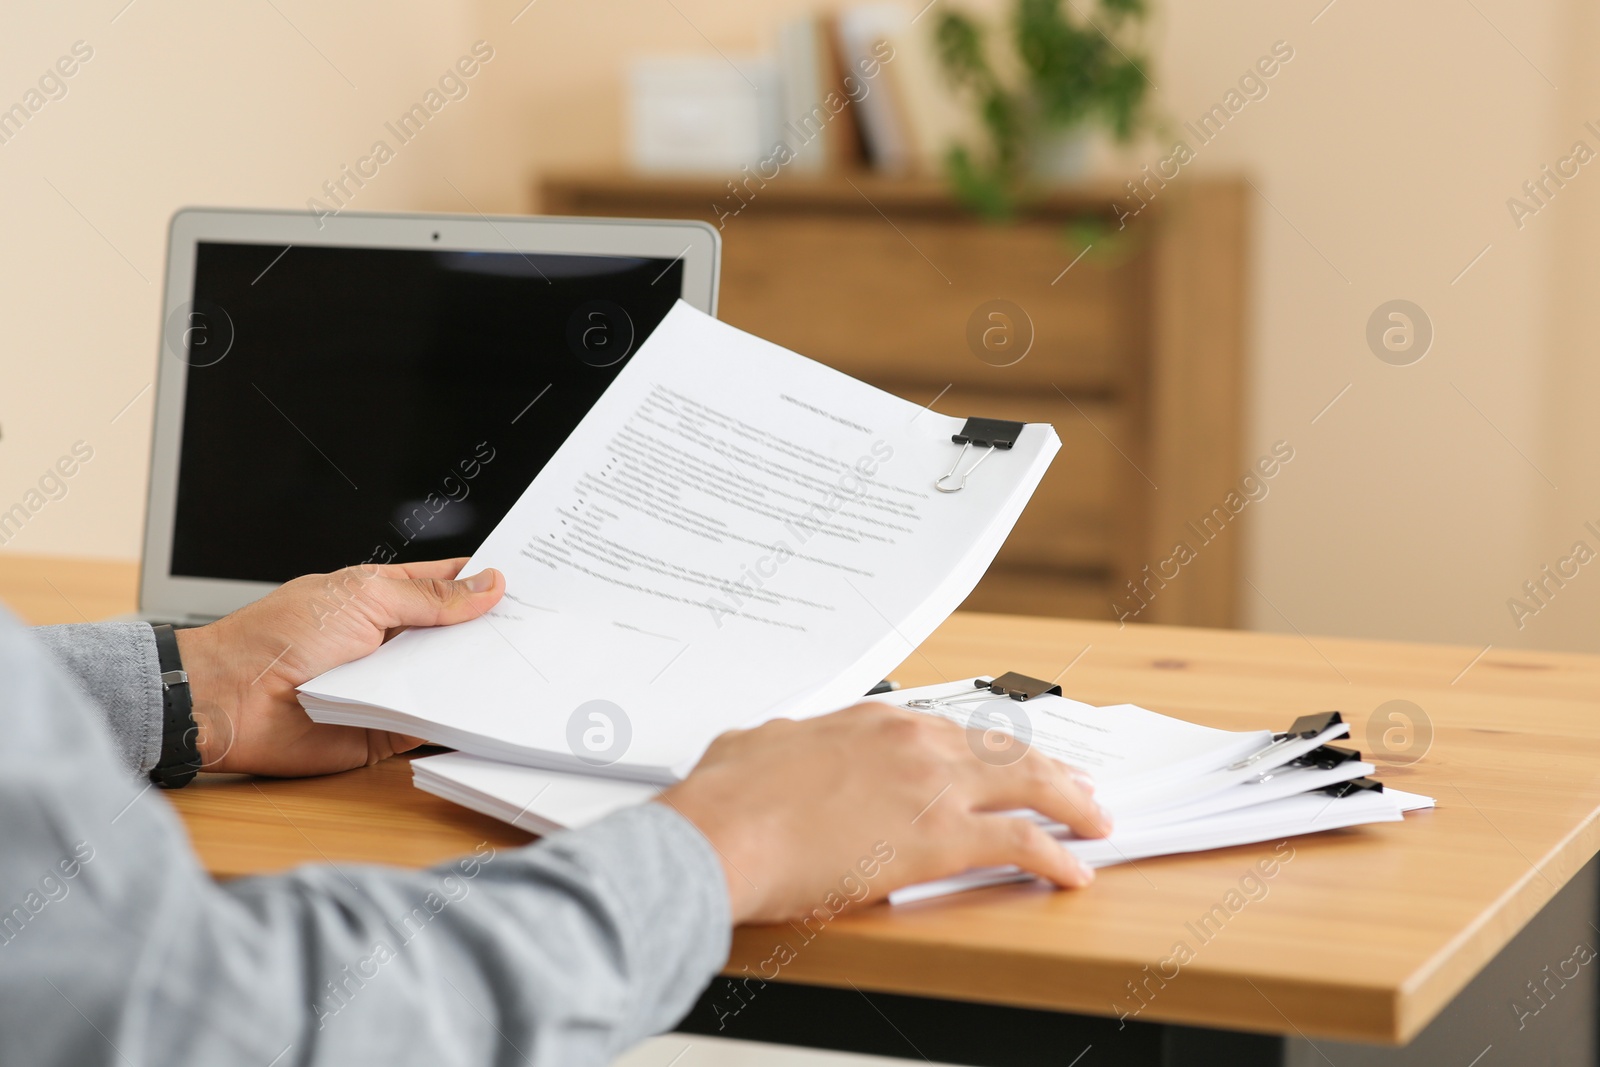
x: 381, y: 744
x: 1048, y: 786
x: 403, y: 742
x: 432, y: 601
x: 1001, y: 840
x: 1000, y: 778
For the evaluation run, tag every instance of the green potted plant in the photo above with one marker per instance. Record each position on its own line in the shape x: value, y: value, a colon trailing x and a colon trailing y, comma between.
x: 1073, y: 69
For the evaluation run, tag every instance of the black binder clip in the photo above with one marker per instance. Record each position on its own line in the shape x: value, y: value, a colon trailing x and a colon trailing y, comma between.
x: 1327, y: 757
x: 1019, y: 686
x: 1010, y: 684
x: 1303, y: 728
x: 985, y: 433
x: 1355, y: 785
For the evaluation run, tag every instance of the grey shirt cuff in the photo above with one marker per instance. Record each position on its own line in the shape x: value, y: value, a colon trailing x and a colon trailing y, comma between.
x: 116, y: 667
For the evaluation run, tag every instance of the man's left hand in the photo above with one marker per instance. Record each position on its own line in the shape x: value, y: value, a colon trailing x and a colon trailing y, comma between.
x: 243, y: 668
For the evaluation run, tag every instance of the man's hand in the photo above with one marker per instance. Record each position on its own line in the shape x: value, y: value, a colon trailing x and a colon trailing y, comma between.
x: 243, y: 668
x: 799, y: 810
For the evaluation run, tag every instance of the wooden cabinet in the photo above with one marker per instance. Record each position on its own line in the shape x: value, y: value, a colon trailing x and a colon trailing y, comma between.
x: 1133, y: 352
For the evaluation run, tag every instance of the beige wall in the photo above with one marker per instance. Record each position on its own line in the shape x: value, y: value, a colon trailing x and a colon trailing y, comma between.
x: 1572, y: 301
x: 1388, y: 146
x: 182, y: 103
x: 1387, y: 150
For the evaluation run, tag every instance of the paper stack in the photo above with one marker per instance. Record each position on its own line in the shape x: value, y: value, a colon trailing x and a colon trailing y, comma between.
x: 1171, y: 786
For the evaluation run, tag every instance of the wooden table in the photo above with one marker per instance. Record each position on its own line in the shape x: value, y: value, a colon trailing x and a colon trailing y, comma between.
x: 1364, y: 935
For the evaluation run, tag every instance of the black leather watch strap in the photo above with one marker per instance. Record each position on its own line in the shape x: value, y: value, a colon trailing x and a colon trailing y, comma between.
x: 180, y: 755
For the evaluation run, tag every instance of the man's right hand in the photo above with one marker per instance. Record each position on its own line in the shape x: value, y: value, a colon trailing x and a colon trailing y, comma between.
x: 795, y: 808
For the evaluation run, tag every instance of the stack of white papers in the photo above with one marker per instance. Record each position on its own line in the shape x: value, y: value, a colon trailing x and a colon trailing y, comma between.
x: 1170, y: 786
x: 732, y: 533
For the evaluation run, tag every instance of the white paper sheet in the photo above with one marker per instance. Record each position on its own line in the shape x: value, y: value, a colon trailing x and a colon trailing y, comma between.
x: 538, y: 801
x: 733, y: 532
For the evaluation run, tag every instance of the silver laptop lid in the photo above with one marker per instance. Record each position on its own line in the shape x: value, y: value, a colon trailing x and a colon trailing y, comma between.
x: 379, y: 388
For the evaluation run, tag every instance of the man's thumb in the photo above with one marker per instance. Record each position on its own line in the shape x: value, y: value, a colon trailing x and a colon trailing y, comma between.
x: 444, y: 601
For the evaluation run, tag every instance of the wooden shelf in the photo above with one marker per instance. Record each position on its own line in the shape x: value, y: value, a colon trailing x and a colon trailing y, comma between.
x: 585, y: 192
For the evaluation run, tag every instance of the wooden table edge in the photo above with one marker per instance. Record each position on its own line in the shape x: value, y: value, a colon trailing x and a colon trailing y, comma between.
x: 1438, y: 982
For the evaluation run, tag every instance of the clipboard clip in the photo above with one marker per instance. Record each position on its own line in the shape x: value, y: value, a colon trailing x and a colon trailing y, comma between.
x: 984, y: 433
x: 1303, y: 728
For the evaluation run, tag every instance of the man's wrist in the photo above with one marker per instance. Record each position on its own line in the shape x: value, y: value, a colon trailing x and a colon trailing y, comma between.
x: 743, y: 902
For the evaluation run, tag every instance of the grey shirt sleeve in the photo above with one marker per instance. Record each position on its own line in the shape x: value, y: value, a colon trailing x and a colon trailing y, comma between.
x: 115, y: 947
x: 116, y: 667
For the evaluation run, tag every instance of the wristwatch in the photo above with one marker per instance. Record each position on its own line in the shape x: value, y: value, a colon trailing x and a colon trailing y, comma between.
x: 180, y: 754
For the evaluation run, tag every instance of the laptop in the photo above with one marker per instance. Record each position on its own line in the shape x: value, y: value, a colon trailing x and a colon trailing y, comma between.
x: 368, y: 388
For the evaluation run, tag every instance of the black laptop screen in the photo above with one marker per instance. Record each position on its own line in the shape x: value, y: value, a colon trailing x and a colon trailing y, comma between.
x: 350, y: 405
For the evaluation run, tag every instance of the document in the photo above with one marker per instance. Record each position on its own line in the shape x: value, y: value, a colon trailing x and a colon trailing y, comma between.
x: 1144, y: 764
x: 734, y: 532
x: 1137, y: 758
